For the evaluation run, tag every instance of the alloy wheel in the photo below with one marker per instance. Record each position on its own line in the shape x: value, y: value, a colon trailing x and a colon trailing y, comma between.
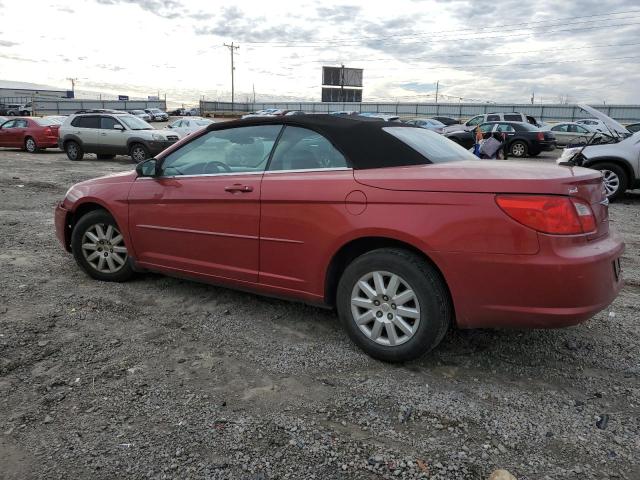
x: 72, y: 150
x: 518, y: 150
x: 30, y: 145
x: 103, y: 248
x: 385, y: 308
x: 138, y: 154
x: 611, y: 182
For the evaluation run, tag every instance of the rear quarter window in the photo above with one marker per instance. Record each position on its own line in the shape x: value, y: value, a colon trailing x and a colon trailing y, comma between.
x: 513, y: 118
x: 434, y: 147
x: 86, y: 122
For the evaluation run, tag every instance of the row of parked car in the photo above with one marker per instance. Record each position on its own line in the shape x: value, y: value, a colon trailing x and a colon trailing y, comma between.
x: 110, y: 132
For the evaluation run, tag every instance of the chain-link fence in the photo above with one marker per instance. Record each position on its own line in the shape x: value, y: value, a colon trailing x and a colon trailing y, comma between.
x: 460, y: 111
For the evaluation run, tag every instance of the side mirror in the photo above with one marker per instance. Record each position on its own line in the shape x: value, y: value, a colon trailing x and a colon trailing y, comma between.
x: 148, y: 168
x: 117, y: 126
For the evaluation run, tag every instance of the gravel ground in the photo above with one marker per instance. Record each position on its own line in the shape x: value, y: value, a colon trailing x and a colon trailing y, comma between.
x: 166, y: 378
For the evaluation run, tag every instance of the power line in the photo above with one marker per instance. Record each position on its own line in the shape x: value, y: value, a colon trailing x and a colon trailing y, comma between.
x: 342, y: 44
x: 547, y: 23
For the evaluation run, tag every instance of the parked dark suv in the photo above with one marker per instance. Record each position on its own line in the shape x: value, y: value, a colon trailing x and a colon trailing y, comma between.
x: 111, y: 134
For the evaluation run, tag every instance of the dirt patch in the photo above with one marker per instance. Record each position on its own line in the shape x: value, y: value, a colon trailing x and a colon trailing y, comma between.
x: 165, y: 378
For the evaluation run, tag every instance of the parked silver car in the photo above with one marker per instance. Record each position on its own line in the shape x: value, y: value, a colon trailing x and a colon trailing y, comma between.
x: 186, y: 126
x: 157, y: 115
x: 141, y: 114
x: 111, y: 134
x: 618, y: 160
x: 568, y: 133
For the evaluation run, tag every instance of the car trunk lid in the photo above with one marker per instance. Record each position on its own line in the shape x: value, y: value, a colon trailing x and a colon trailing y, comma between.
x: 487, y: 176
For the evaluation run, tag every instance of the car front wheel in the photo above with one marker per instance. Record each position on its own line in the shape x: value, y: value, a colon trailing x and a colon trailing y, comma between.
x: 614, y: 179
x: 99, y: 249
x: 393, y: 304
x: 138, y: 152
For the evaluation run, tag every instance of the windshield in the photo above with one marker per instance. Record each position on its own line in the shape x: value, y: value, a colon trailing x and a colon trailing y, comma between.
x: 134, y: 123
x: 434, y: 147
x: 202, y: 122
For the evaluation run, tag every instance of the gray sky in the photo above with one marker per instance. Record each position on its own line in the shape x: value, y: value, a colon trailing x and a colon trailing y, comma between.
x: 588, y: 50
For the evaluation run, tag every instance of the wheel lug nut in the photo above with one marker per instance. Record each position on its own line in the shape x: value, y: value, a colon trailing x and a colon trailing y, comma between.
x: 393, y: 305
x: 385, y: 298
x: 390, y: 316
x: 376, y: 302
x: 378, y: 314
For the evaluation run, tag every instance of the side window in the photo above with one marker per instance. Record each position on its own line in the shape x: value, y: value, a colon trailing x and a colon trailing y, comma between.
x: 513, y: 117
x: 234, y: 150
x: 303, y: 149
x: 21, y: 124
x: 560, y: 128
x: 107, y: 123
x: 475, y: 121
x: 505, y: 127
x: 486, y: 127
x: 494, y: 118
x: 86, y: 122
x: 531, y: 120
x: 580, y: 129
x: 9, y: 124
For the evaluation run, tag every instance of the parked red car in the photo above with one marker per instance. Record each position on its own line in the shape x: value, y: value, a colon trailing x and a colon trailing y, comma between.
x: 403, y: 231
x: 31, y: 134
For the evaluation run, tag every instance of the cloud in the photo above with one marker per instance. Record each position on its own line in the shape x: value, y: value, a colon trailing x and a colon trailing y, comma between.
x: 338, y: 13
x: 65, y: 9
x: 7, y: 43
x: 162, y: 8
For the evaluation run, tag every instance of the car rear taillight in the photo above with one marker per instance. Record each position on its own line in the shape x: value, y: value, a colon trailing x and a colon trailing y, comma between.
x: 549, y: 214
x: 540, y: 136
x: 47, y: 131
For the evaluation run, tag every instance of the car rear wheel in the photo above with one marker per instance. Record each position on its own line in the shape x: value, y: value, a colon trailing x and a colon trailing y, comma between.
x: 393, y: 304
x: 614, y: 178
x: 518, y: 149
x: 99, y: 249
x: 74, y: 151
x: 138, y: 152
x: 30, y: 145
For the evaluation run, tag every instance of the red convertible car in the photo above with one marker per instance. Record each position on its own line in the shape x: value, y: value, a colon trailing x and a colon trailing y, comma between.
x: 401, y: 230
x: 31, y: 134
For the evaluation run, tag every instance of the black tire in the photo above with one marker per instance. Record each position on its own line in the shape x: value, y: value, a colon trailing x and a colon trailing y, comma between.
x: 30, y: 145
x: 104, y: 156
x: 610, y: 171
x: 12, y: 114
x: 139, y: 153
x: 74, y: 151
x: 518, y: 149
x: 86, y: 222
x: 435, y: 310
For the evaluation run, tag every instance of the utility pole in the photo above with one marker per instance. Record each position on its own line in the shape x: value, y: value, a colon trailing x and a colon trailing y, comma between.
x: 533, y: 97
x: 73, y: 85
x: 437, y: 88
x: 232, y: 48
x: 254, y: 92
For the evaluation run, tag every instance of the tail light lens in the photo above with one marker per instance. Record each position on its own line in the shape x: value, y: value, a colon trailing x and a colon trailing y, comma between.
x: 540, y: 136
x: 549, y: 214
x: 47, y: 131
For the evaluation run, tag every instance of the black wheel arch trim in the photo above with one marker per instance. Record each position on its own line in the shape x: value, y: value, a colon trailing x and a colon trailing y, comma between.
x: 628, y: 168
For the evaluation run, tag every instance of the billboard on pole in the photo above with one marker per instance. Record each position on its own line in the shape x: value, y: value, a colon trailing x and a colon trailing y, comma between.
x: 342, y: 77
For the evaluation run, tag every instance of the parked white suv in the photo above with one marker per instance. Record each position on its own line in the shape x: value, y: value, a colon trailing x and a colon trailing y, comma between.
x: 492, y: 117
x: 111, y: 134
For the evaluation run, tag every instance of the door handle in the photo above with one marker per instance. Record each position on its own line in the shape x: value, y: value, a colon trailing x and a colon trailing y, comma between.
x: 237, y: 188
x: 103, y: 134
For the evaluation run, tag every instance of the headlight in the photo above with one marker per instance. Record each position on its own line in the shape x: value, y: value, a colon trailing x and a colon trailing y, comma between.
x: 157, y: 136
x: 567, y: 154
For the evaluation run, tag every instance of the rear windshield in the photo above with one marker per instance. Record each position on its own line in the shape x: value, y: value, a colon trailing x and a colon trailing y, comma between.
x: 47, y: 122
x: 528, y: 127
x: 432, y: 146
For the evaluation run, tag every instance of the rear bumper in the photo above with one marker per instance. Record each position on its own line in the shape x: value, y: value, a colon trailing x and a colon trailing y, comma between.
x: 60, y: 219
x: 47, y: 142
x: 566, y: 283
x: 547, y: 146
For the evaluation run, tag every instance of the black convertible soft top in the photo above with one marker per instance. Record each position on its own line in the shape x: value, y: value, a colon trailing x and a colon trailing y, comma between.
x: 360, y: 139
